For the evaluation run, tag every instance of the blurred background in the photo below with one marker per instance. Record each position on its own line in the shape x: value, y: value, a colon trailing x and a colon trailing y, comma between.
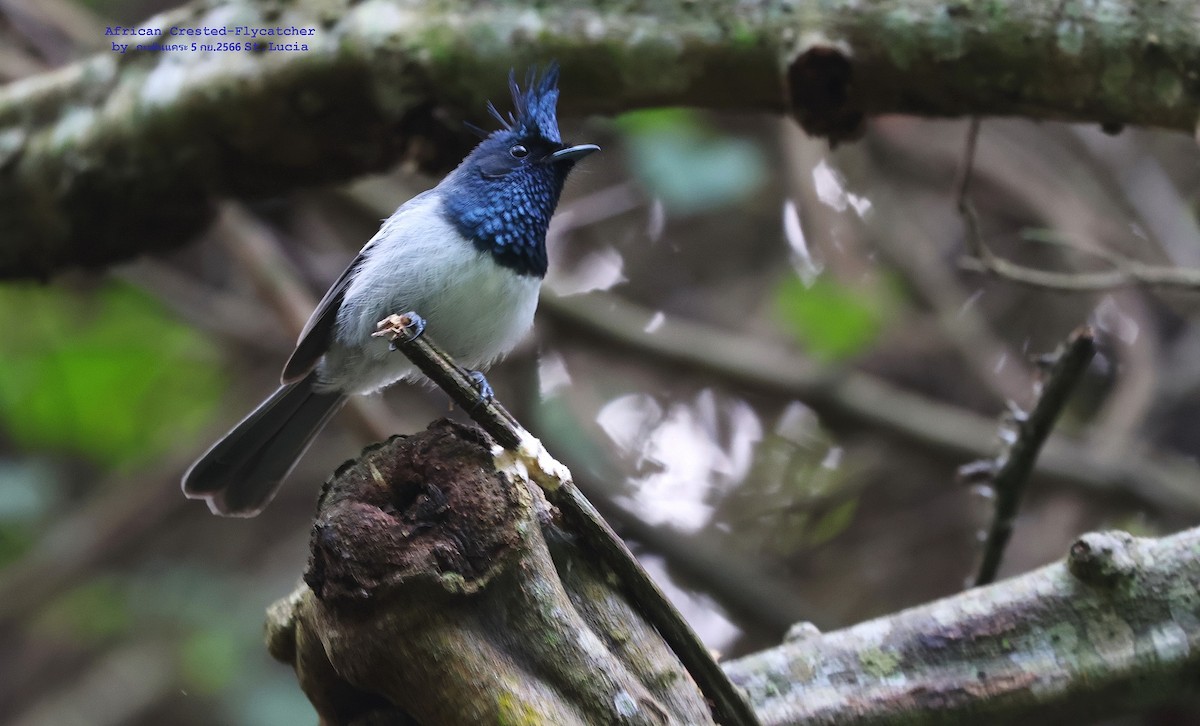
x: 761, y: 358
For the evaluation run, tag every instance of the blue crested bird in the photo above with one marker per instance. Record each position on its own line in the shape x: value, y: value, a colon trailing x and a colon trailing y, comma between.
x: 468, y: 255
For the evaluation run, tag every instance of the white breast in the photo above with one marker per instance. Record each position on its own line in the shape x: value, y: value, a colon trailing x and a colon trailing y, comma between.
x: 475, y: 309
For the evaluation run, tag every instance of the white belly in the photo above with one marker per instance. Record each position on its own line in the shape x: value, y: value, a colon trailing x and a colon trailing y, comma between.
x: 475, y: 309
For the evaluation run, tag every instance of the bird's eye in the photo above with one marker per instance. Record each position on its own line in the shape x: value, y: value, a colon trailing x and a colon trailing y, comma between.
x: 519, y: 152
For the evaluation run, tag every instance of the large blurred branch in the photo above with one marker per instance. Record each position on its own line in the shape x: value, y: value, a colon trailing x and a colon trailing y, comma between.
x: 124, y: 153
x: 1112, y: 628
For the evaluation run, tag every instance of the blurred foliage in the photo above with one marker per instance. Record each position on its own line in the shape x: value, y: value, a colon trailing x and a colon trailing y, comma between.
x: 95, y: 611
x: 29, y: 490
x: 215, y: 628
x: 832, y: 522
x: 689, y: 166
x: 16, y: 538
x: 220, y: 651
x: 105, y: 373
x: 801, y: 492
x: 835, y: 321
x: 212, y: 658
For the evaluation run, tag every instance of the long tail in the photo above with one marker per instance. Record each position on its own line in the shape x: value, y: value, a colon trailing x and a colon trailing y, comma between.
x: 240, y: 474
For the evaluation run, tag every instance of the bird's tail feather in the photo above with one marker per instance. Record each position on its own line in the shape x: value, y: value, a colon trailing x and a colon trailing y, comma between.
x: 240, y: 474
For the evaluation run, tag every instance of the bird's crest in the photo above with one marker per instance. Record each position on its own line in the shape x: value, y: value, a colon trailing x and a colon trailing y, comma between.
x: 535, y: 106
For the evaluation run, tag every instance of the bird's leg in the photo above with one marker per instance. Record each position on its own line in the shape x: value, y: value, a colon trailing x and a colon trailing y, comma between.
x: 481, y: 384
x: 408, y: 327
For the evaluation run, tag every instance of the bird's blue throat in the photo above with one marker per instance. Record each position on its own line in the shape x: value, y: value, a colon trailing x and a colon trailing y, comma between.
x: 509, y: 220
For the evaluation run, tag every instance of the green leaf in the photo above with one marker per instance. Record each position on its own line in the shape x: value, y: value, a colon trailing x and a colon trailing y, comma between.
x: 107, y: 373
x: 211, y: 659
x: 16, y: 538
x: 833, y: 522
x: 833, y: 321
x: 657, y: 120
x: 686, y: 164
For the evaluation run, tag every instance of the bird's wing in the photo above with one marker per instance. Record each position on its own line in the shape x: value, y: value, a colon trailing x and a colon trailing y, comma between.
x: 314, y: 338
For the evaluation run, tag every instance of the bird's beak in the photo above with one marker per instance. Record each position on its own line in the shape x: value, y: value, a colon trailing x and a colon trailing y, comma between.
x: 572, y: 153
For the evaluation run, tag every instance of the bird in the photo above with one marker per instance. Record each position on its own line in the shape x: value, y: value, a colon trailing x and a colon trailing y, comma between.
x: 468, y: 255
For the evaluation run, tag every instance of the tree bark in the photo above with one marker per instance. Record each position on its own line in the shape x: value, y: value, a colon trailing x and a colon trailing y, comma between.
x: 439, y: 591
x: 125, y: 153
x: 1112, y: 628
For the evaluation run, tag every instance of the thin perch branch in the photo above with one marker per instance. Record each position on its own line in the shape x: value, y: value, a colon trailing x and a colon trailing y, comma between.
x: 1013, y: 467
x: 729, y: 707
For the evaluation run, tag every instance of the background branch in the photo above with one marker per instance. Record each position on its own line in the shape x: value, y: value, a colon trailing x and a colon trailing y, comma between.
x: 83, y: 180
x: 1127, y: 273
x: 1109, y: 629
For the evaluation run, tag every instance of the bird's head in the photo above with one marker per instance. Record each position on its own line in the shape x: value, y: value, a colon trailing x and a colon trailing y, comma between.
x: 503, y: 194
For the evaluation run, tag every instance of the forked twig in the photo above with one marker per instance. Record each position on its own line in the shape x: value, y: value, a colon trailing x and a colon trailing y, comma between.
x: 1009, y: 472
